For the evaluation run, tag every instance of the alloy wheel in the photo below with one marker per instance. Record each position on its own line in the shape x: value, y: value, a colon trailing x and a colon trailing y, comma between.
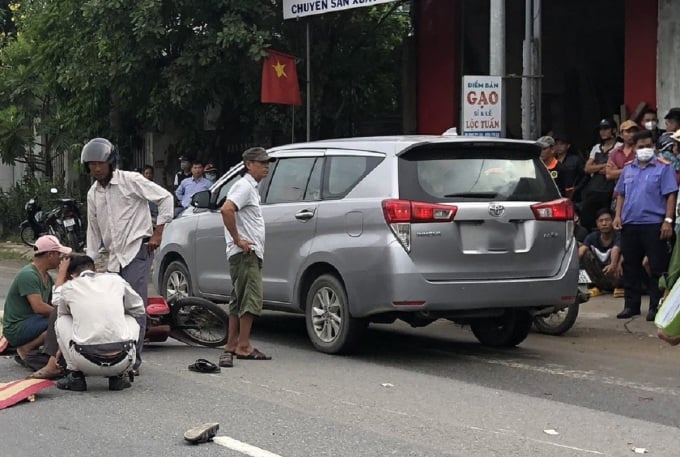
x: 326, y: 314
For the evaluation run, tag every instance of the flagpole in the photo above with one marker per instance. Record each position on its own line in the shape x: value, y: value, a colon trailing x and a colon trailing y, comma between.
x: 309, y: 87
x: 292, y: 124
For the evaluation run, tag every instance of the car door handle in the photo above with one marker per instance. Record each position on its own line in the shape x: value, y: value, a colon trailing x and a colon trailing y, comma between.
x: 304, y: 214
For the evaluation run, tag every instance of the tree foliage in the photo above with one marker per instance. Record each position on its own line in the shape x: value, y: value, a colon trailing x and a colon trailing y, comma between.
x: 76, y: 69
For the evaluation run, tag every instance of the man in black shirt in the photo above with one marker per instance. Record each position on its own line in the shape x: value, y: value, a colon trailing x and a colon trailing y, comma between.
x: 600, y: 256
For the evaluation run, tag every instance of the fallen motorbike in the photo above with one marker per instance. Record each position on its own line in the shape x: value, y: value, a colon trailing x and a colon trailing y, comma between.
x: 63, y: 221
x: 34, y: 226
x: 560, y: 320
x: 191, y: 320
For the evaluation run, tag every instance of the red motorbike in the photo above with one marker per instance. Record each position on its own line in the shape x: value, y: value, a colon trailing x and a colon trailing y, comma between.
x: 191, y: 320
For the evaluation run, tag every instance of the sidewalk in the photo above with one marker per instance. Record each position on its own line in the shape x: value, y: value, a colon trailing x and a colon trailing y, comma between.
x: 600, y: 313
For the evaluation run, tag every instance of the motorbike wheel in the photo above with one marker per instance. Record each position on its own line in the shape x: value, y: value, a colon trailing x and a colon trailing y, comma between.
x: 71, y: 240
x: 28, y: 235
x: 200, y: 321
x: 558, y: 322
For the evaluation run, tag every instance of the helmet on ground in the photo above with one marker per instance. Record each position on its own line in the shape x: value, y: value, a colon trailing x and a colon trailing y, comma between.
x: 99, y: 150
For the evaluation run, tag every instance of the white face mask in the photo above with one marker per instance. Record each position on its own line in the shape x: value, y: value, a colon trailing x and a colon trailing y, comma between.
x: 644, y: 154
x: 650, y: 125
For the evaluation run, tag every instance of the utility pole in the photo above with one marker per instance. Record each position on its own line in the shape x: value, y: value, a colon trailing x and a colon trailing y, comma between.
x: 497, y: 48
x: 531, y: 77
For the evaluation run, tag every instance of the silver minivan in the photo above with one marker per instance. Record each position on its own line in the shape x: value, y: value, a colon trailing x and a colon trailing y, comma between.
x: 416, y: 228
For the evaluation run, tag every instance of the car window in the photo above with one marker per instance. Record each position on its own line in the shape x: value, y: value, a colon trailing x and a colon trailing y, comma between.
x: 224, y: 189
x: 289, y: 180
x: 345, y: 172
x: 481, y: 174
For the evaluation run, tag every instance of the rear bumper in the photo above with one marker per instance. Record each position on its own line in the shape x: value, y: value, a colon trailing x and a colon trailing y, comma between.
x: 376, y: 295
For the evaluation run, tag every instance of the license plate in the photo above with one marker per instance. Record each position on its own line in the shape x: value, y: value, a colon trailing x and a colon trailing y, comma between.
x: 69, y: 222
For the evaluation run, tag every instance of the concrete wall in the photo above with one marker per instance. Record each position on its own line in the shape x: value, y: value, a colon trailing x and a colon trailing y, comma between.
x: 668, y: 63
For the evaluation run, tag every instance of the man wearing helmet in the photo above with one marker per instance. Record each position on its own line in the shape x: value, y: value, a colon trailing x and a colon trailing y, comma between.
x: 118, y: 215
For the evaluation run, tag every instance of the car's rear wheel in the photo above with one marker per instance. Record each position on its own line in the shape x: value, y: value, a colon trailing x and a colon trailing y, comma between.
x: 176, y: 281
x: 330, y: 326
x: 507, y: 330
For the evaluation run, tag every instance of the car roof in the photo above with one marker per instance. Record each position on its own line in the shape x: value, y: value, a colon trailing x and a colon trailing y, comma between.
x: 394, y: 144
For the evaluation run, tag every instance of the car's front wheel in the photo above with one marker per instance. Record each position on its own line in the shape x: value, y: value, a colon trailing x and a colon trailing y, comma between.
x: 507, y: 330
x: 176, y: 281
x: 330, y: 327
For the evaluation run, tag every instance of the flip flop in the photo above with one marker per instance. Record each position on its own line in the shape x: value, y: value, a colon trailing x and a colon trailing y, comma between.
x: 204, y: 366
x: 226, y: 359
x: 21, y: 361
x: 202, y: 433
x: 255, y: 355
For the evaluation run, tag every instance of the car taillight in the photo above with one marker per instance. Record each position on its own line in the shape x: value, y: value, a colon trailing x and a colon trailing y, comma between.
x: 556, y: 210
x: 400, y: 214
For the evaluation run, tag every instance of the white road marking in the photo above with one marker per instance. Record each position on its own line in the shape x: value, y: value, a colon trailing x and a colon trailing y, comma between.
x: 243, y: 448
x: 579, y: 374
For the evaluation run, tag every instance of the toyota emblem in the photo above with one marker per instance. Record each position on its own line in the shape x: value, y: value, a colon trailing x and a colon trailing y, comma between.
x: 496, y: 209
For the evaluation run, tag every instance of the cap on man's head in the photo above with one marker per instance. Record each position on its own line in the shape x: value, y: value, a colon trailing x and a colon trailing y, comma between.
x: 546, y: 142
x: 627, y: 125
x: 674, y: 114
x: 607, y: 123
x: 209, y: 167
x: 184, y: 158
x: 49, y: 243
x: 257, y: 154
x: 562, y: 137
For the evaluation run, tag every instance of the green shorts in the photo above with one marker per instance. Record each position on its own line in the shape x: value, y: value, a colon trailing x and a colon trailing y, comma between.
x: 246, y: 279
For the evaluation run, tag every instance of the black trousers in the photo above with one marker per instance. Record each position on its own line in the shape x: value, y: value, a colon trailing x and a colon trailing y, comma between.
x: 638, y: 241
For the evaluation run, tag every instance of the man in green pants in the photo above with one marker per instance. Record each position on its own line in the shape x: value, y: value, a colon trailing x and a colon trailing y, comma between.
x: 244, y: 233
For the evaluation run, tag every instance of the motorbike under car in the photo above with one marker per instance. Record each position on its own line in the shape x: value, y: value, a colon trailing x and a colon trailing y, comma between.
x: 561, y: 319
x: 191, y: 320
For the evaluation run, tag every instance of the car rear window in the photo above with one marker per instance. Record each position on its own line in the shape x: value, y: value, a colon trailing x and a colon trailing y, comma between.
x: 474, y: 173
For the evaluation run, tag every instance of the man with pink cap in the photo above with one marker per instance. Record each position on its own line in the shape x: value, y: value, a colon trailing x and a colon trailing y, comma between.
x: 27, y: 306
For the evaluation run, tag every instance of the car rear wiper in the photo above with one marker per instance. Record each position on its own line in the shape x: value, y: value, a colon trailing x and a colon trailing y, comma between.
x: 472, y: 194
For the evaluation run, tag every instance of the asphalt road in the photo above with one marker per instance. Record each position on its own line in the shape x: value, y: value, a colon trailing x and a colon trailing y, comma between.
x: 408, y: 392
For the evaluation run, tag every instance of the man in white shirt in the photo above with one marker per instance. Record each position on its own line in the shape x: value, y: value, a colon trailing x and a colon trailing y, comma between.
x: 96, y: 324
x: 118, y: 214
x: 244, y: 234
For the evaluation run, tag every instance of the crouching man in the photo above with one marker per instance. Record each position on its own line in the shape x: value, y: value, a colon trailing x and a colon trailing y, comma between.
x: 96, y: 327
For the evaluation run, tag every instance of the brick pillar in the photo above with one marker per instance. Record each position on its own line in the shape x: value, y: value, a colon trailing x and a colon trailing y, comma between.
x: 438, y: 29
x: 640, y: 31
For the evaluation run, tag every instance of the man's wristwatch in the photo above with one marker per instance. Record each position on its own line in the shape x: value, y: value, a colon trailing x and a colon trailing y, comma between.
x: 669, y: 220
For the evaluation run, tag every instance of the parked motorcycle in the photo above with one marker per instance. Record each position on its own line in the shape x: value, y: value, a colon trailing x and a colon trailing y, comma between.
x: 560, y: 320
x: 191, y: 320
x: 63, y: 221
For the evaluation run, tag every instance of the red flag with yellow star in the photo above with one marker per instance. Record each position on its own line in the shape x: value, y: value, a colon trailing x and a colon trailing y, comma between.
x: 279, y: 79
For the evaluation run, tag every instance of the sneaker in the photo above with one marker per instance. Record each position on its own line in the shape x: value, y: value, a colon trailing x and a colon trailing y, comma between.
x: 118, y: 383
x: 619, y: 292
x: 74, y: 380
x: 594, y: 292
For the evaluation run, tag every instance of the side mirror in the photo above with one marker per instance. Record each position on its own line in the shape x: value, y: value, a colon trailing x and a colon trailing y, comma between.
x: 54, y: 190
x: 201, y: 199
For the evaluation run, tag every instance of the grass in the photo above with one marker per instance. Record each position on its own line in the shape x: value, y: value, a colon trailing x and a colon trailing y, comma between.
x: 11, y: 255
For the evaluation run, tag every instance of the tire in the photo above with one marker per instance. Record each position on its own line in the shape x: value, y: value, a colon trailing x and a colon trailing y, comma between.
x: 200, y: 321
x: 28, y: 235
x: 507, y: 330
x: 330, y: 327
x: 71, y: 240
x: 176, y: 282
x: 558, y: 322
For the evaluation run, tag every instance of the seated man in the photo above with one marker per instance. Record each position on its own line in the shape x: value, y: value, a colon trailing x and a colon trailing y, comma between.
x: 600, y: 256
x: 96, y: 327
x: 27, y: 307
